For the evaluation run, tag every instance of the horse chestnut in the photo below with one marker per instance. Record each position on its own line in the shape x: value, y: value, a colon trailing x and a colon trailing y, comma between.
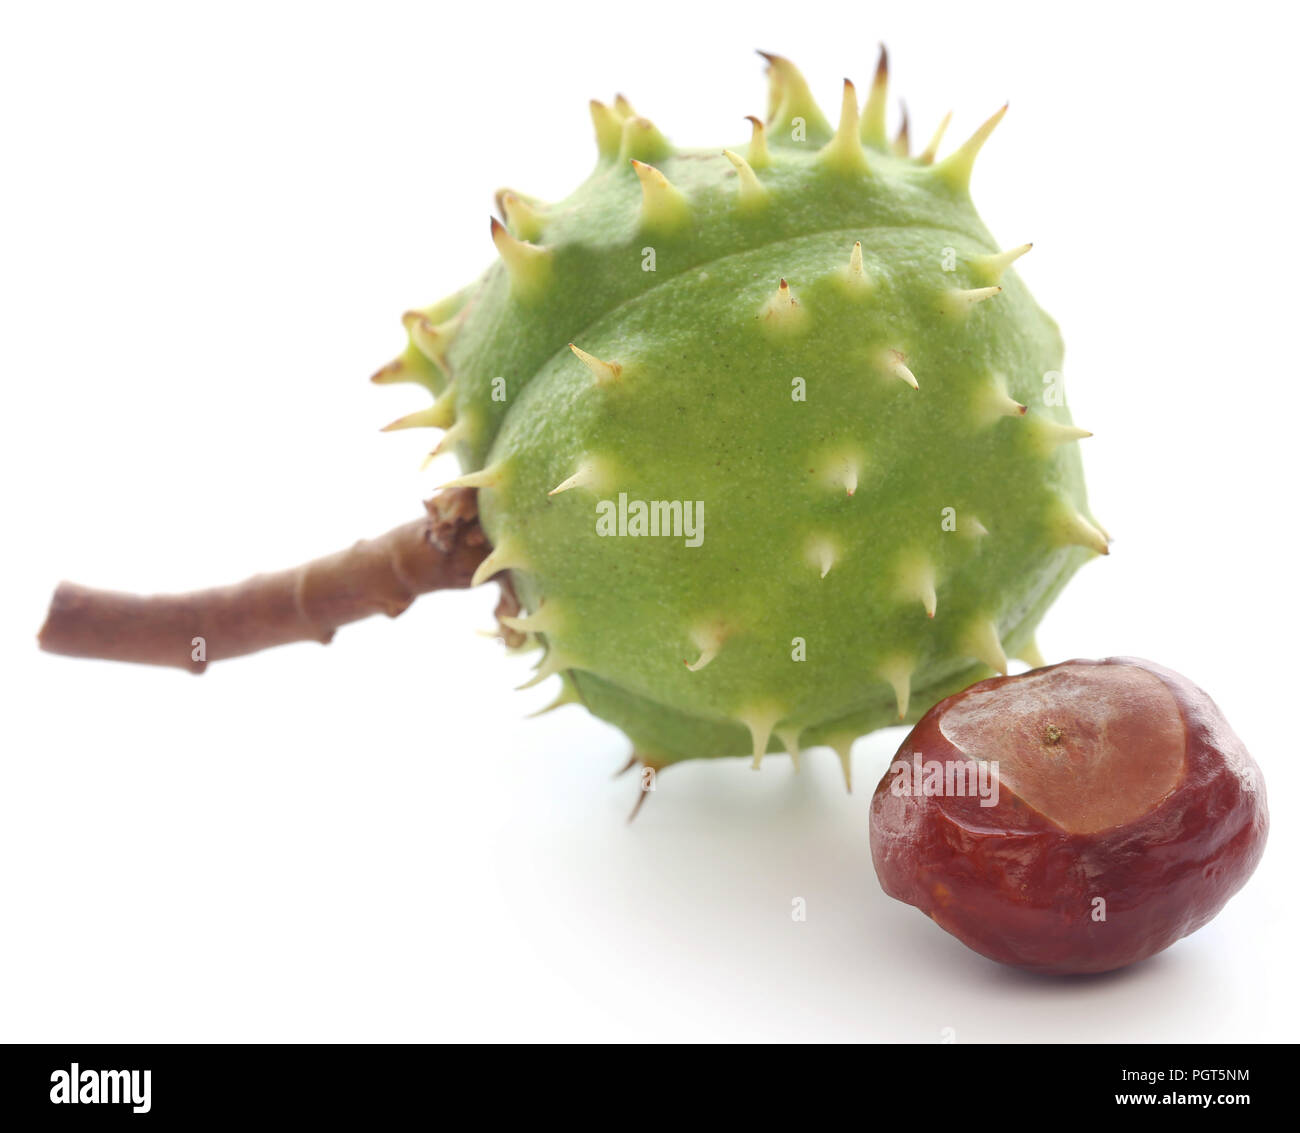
x: 1076, y: 818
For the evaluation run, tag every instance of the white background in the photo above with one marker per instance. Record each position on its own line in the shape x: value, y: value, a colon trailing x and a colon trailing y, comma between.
x: 211, y: 219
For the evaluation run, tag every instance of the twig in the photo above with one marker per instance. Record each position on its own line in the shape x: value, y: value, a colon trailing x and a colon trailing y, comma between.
x: 307, y: 603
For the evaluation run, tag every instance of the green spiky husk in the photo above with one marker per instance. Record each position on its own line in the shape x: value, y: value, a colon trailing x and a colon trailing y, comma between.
x: 702, y: 410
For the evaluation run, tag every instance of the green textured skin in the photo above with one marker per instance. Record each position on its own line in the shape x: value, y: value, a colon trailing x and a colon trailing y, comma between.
x: 703, y: 411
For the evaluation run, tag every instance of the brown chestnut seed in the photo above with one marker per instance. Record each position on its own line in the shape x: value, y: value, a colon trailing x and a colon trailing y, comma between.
x: 1076, y: 818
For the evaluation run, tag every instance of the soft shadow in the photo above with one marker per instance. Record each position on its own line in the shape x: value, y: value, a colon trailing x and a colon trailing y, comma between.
x: 1083, y: 984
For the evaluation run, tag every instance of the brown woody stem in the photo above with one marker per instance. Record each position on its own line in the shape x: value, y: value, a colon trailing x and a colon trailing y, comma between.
x: 307, y: 603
